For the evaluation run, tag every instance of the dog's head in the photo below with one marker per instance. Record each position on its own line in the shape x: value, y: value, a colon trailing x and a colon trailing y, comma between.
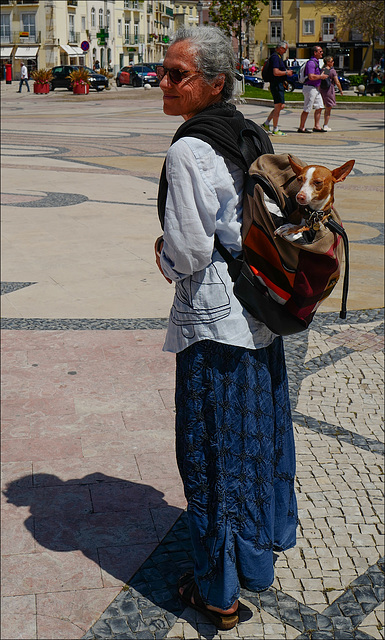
x: 317, y: 183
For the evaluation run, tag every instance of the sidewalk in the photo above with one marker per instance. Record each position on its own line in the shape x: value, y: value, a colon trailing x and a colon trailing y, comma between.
x: 93, y: 499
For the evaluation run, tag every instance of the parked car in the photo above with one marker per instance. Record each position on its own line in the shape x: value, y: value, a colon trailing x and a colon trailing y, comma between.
x: 292, y: 83
x: 60, y: 78
x: 253, y: 81
x: 136, y: 76
x: 154, y: 65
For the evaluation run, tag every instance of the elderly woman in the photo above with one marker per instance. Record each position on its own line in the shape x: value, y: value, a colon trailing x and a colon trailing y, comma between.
x: 327, y: 92
x: 234, y: 434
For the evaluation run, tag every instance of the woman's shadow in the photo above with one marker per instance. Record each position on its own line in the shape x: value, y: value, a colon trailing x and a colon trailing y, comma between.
x: 114, y: 522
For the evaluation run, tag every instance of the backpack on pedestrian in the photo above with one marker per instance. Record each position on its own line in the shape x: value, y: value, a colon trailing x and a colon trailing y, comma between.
x: 302, y: 75
x: 266, y: 71
x: 282, y: 282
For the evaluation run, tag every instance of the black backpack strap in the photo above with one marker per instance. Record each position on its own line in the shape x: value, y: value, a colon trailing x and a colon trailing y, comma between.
x: 254, y: 142
x: 336, y: 228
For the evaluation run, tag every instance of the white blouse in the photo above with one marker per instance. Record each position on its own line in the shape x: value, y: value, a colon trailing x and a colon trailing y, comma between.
x: 204, y: 197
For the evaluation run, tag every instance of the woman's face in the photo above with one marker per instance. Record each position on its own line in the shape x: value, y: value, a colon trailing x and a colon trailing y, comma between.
x: 192, y: 94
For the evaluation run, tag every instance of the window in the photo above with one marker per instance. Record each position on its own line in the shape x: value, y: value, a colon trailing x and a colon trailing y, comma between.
x: 136, y: 32
x: 119, y: 27
x: 100, y: 18
x: 28, y: 21
x: 5, y: 27
x: 83, y: 23
x: 93, y: 20
x: 308, y: 28
x: 127, y: 30
x: 71, y: 30
x: 108, y: 18
x: 276, y: 8
x: 275, y: 31
x: 328, y: 28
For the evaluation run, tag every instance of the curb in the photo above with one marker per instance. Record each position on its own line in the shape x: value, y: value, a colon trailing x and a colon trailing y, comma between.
x: 299, y: 104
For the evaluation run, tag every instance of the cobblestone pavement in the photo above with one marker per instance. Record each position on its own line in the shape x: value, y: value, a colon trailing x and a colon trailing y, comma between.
x: 94, y: 533
x: 331, y: 584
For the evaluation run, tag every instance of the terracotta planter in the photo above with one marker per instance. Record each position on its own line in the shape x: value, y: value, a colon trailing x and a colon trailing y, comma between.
x: 41, y: 87
x: 80, y: 89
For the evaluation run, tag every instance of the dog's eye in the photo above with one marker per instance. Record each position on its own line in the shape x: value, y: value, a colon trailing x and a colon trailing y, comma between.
x: 299, y: 178
x: 318, y: 183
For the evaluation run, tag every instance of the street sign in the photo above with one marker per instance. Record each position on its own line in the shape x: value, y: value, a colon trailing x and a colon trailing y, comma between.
x: 24, y: 34
x: 85, y: 45
x: 102, y: 36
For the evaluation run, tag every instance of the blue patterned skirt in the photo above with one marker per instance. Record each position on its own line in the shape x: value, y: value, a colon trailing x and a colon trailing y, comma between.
x: 236, y: 456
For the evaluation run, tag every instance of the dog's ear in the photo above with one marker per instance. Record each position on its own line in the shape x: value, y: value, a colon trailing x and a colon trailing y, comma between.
x: 341, y: 173
x: 296, y: 167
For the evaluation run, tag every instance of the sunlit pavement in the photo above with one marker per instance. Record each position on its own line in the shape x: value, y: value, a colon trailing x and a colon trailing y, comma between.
x: 93, y: 497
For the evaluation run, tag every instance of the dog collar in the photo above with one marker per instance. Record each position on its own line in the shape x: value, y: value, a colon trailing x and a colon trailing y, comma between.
x: 314, y: 218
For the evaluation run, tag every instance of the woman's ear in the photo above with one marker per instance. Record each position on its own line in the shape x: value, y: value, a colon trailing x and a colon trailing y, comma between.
x: 218, y: 83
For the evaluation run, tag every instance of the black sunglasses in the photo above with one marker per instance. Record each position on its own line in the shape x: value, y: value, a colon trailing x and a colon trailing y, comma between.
x: 176, y: 75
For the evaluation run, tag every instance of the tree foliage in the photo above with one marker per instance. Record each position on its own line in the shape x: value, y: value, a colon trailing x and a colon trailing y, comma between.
x: 228, y: 14
x: 366, y: 16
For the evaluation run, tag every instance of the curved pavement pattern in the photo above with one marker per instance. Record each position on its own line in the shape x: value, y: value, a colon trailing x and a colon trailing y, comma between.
x: 92, y: 500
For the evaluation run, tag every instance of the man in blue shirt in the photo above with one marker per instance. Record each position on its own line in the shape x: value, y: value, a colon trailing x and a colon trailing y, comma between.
x: 311, y: 92
x: 278, y: 75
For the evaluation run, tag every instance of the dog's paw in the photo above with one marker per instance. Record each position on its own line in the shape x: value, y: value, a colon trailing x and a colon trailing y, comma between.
x: 285, y: 229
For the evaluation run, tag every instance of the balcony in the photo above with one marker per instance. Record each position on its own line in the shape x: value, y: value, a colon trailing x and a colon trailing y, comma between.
x: 73, y: 37
x: 15, y: 37
x: 134, y: 4
x: 133, y: 40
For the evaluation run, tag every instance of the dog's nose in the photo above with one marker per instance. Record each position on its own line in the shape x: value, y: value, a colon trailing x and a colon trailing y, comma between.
x: 301, y: 198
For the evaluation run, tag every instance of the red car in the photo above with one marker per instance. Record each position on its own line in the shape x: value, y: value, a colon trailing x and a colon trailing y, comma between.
x: 137, y: 76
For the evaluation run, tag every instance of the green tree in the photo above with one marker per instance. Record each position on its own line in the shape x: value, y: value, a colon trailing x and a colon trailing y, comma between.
x: 366, y: 16
x: 229, y: 15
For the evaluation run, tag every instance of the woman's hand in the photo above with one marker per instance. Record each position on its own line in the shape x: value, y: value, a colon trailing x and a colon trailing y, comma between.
x: 158, y: 249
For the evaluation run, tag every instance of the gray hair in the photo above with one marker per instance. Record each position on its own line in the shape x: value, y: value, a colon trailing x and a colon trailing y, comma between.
x: 283, y: 44
x: 214, y: 54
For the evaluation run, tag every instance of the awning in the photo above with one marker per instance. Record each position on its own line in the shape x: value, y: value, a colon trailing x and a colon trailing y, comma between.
x: 26, y: 52
x: 72, y: 51
x: 78, y: 51
x: 6, y: 52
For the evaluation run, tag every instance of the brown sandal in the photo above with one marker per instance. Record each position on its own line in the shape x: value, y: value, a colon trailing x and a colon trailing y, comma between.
x: 222, y: 621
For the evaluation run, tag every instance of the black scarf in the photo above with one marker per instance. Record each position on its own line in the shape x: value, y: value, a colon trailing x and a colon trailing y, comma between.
x: 220, y: 126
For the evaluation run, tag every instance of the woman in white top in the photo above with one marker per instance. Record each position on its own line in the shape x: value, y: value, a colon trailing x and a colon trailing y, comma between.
x: 234, y: 434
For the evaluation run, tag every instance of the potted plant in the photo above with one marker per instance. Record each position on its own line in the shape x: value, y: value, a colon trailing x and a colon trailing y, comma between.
x: 80, y: 80
x: 42, y: 78
x: 107, y: 74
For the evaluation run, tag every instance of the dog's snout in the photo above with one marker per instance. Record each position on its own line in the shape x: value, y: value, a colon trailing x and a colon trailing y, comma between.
x: 301, y: 197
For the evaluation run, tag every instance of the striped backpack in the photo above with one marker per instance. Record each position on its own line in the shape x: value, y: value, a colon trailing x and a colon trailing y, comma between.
x: 282, y: 282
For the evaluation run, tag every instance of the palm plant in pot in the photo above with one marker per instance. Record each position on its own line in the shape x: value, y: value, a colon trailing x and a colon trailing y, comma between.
x: 42, y: 78
x: 80, y: 80
x: 107, y: 74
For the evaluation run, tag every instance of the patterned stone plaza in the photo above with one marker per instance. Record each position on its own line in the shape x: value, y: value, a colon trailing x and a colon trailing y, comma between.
x: 94, y: 532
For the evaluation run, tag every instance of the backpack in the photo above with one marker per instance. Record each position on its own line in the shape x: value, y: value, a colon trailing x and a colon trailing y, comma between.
x: 302, y: 76
x: 266, y: 73
x: 282, y: 282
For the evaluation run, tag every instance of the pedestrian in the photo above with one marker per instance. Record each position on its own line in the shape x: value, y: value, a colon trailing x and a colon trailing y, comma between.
x: 311, y: 92
x: 245, y: 66
x: 278, y: 73
x: 96, y: 65
x: 23, y: 77
x: 327, y: 89
x: 234, y: 432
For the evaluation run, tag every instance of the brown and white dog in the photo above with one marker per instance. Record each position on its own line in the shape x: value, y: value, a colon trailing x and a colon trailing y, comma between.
x: 315, y: 197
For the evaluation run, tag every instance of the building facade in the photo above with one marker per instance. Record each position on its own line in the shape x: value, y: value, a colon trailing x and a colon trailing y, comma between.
x: 303, y: 24
x: 47, y: 33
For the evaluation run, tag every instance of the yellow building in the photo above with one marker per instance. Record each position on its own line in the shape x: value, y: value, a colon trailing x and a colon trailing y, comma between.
x: 302, y: 24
